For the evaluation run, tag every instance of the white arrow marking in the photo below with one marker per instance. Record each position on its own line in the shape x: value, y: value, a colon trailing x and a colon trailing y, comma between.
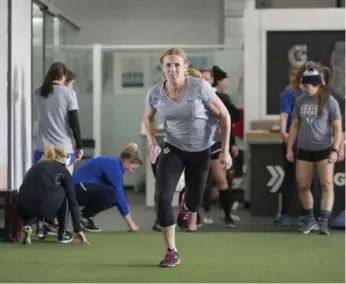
x: 274, y: 177
x: 278, y: 183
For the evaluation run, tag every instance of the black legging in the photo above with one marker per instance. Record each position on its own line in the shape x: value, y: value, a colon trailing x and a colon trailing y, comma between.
x: 169, y: 170
x: 206, y: 196
x: 55, y: 206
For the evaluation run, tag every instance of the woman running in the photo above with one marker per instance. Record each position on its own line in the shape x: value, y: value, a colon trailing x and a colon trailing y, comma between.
x: 186, y: 104
x: 47, y: 190
x: 197, y: 74
x: 99, y: 185
x: 317, y: 124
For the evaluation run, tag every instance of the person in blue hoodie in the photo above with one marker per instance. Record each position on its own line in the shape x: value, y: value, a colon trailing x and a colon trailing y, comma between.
x: 289, y: 183
x: 99, y: 186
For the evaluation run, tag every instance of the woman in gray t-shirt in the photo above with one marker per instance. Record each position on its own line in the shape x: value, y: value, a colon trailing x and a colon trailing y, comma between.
x: 56, y: 116
x: 186, y: 105
x: 317, y: 125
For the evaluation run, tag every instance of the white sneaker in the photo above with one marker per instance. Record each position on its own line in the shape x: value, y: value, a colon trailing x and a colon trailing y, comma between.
x: 235, y: 206
x: 208, y: 220
x: 26, y: 235
x: 235, y: 217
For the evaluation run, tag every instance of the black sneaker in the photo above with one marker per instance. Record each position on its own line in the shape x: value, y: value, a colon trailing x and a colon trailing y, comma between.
x: 229, y: 222
x: 183, y: 219
x: 310, y: 224
x: 65, y: 238
x: 277, y: 218
x: 50, y: 230
x: 88, y: 225
x: 324, y: 228
x: 26, y: 235
x: 171, y: 259
x: 184, y: 215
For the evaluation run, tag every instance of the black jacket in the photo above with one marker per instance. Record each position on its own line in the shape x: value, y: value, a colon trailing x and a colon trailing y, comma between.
x: 233, y: 112
x: 46, y: 184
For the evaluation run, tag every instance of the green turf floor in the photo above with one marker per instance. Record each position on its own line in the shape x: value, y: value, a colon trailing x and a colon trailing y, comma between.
x: 207, y: 257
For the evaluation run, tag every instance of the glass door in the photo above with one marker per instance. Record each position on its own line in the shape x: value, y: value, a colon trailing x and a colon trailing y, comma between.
x: 38, y: 45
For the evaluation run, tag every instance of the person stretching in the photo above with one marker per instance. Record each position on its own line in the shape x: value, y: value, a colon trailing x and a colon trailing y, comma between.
x: 99, y: 186
x: 47, y: 190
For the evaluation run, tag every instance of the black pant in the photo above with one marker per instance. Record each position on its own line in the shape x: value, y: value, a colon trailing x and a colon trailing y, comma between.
x: 169, y: 170
x: 208, y: 193
x: 289, y: 185
x: 95, y: 198
x: 52, y: 205
x: 206, y: 202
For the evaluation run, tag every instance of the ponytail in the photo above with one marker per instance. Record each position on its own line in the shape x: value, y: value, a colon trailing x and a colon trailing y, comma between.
x: 327, y: 75
x: 47, y: 86
x: 194, y: 73
x: 56, y: 72
x: 322, y: 98
x: 55, y: 154
x: 131, y: 153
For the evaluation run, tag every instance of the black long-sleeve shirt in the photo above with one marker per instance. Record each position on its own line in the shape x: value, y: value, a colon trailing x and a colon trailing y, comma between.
x: 42, y: 182
x: 233, y: 112
x: 75, y: 127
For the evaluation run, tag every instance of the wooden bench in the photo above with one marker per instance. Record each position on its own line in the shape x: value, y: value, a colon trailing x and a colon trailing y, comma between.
x: 12, y: 224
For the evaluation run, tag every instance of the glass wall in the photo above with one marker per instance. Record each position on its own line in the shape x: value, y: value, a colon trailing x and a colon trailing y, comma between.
x: 49, y: 32
x: 49, y: 20
x: 38, y: 48
x: 67, y: 32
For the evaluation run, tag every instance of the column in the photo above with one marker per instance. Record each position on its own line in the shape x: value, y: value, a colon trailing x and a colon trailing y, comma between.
x: 20, y: 91
x: 3, y: 92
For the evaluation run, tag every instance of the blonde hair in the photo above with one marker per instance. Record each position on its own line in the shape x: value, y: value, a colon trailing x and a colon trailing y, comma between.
x: 55, y: 154
x: 174, y: 51
x: 194, y: 73
x: 202, y: 70
x: 131, y: 153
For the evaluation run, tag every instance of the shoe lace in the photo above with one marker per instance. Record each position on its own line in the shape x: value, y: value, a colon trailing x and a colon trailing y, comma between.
x: 170, y: 255
x: 186, y: 215
x: 323, y: 222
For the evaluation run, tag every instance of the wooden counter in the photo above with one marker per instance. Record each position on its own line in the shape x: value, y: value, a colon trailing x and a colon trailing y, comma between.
x: 263, y: 137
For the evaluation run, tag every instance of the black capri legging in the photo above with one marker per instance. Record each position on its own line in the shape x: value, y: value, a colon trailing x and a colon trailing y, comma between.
x: 170, y: 167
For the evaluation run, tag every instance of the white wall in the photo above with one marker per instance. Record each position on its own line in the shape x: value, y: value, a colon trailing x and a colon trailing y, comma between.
x: 3, y: 92
x: 21, y: 91
x: 146, y: 21
x: 256, y: 23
